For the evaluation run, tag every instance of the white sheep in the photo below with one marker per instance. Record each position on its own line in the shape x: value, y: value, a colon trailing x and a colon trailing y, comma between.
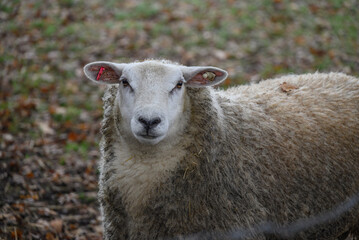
x: 180, y: 157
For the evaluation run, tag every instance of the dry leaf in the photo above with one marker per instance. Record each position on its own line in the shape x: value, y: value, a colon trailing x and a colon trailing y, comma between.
x: 50, y: 236
x: 45, y: 128
x: 285, y: 87
x: 10, y: 218
x: 16, y: 234
x: 19, y: 206
x: 72, y: 136
x: 56, y: 224
x: 46, y: 212
x: 317, y: 52
x: 300, y: 40
x: 314, y: 8
x: 221, y: 55
x: 30, y: 175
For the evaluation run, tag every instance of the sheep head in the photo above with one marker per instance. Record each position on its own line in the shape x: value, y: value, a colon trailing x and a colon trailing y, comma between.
x: 152, y: 94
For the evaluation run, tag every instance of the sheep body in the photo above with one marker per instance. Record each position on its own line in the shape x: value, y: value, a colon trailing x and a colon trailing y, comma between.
x: 247, y: 155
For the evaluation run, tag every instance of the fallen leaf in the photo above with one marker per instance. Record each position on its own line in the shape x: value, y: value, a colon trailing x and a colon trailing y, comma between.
x: 300, y: 40
x: 47, y: 89
x: 30, y: 175
x: 9, y: 218
x: 52, y: 109
x: 73, y: 226
x: 88, y: 170
x: 285, y: 87
x: 57, y: 224
x: 314, y: 8
x: 227, y: 82
x: 27, y: 104
x: 8, y: 137
x: 72, y: 136
x: 46, y: 212
x: 16, y: 234
x: 317, y: 52
x: 45, y: 128
x: 331, y: 54
x: 50, y: 236
x: 83, y: 126
x: 221, y: 55
x: 19, y: 206
x: 30, y: 196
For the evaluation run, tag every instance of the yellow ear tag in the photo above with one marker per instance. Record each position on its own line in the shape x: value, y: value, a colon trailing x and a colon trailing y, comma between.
x: 210, y: 76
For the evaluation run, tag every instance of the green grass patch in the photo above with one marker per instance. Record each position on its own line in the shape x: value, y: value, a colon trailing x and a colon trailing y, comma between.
x: 9, y: 7
x: 122, y: 15
x: 6, y: 57
x: 72, y: 114
x: 142, y: 11
x: 67, y: 3
x: 80, y: 147
x: 145, y: 10
x: 38, y: 24
x: 14, y: 126
x: 161, y: 28
x: 62, y: 161
x: 322, y: 63
x: 12, y: 26
x: 86, y: 199
x: 5, y: 105
x: 50, y: 30
x: 47, y: 47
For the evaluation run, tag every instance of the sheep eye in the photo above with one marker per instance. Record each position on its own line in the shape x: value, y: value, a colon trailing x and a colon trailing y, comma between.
x: 179, y: 85
x: 125, y: 83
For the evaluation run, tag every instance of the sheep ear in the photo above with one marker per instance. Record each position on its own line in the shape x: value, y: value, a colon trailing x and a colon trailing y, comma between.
x: 203, y: 76
x: 104, y: 72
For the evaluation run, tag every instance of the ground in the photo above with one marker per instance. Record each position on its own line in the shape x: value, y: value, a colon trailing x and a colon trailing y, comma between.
x: 50, y: 115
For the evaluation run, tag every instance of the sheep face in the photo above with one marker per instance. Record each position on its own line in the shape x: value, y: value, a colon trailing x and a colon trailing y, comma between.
x: 152, y: 94
x: 151, y: 101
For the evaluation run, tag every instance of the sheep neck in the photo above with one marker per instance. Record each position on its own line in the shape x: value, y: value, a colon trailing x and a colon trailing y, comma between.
x: 135, y: 171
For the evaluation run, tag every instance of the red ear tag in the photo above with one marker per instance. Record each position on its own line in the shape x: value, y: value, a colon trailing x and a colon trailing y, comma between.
x: 100, y: 73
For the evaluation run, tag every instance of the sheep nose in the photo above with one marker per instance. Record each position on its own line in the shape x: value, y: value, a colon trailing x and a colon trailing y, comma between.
x: 149, y: 123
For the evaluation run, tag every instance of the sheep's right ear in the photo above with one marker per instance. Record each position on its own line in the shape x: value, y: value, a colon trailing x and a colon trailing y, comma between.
x: 104, y: 72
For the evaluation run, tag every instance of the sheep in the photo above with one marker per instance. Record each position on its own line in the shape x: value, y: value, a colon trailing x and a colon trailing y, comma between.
x: 180, y: 157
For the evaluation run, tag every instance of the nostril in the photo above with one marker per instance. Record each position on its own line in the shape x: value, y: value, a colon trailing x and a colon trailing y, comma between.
x: 143, y: 121
x: 155, y: 122
x: 149, y: 123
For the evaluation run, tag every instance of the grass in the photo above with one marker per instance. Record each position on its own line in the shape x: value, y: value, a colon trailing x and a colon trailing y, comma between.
x: 260, y: 38
x: 265, y: 35
x: 86, y: 199
x: 81, y: 147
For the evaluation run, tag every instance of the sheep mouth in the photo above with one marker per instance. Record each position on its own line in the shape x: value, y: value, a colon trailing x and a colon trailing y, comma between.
x: 148, y: 136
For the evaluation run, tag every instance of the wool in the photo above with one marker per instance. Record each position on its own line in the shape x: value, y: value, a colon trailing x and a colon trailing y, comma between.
x: 246, y: 155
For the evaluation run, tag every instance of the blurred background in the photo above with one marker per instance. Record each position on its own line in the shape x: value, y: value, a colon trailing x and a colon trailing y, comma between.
x: 50, y: 115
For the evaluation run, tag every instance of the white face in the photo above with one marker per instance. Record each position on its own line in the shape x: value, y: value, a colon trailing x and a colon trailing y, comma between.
x: 152, y: 94
x: 151, y: 101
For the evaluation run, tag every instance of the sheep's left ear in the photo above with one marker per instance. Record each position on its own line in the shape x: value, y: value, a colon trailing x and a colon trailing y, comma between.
x: 203, y: 76
x: 104, y: 72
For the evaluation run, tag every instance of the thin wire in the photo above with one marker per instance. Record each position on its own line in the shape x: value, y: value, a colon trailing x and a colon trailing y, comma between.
x: 287, y: 230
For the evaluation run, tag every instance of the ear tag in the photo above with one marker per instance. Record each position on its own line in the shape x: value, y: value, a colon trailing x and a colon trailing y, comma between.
x: 210, y: 76
x: 100, y: 73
